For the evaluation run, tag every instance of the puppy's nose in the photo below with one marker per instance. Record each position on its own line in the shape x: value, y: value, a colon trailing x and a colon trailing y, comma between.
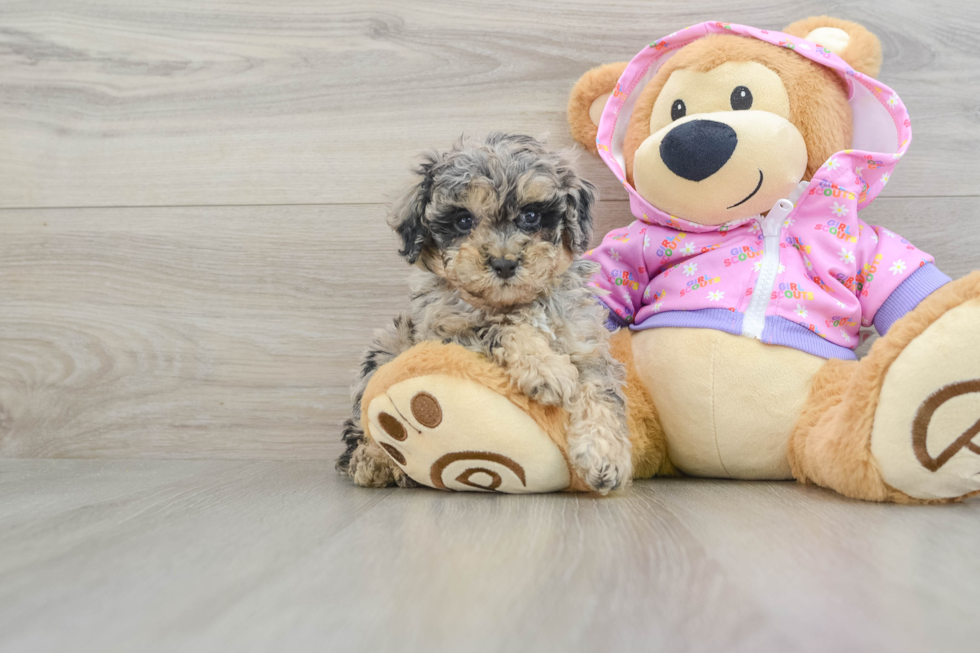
x: 503, y: 267
x: 698, y: 149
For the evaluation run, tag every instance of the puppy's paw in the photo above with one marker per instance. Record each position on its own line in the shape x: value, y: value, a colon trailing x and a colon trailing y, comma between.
x: 553, y: 383
x: 604, y: 474
x: 602, y: 457
x: 370, y: 467
x: 547, y: 394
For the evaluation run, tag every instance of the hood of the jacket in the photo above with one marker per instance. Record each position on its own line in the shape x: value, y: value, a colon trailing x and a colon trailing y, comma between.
x: 881, y: 127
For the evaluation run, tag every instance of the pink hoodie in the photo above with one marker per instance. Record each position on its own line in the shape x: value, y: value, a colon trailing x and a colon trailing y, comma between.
x: 810, y: 273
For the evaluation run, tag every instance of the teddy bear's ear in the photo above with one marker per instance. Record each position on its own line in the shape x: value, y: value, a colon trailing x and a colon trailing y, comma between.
x: 851, y: 42
x: 588, y: 99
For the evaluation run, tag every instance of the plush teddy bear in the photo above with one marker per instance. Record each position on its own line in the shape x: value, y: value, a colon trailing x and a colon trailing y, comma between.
x: 745, y: 279
x: 739, y: 290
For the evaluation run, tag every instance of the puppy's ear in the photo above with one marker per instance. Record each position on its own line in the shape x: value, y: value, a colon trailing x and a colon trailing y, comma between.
x: 851, y: 42
x: 588, y: 99
x: 579, y: 202
x: 407, y: 216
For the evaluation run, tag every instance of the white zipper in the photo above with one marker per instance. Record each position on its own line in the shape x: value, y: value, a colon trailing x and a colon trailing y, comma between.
x: 772, y: 225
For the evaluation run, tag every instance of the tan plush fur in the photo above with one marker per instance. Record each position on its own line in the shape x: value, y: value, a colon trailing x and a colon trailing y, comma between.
x: 831, y: 443
x: 727, y: 404
x: 596, y: 82
x: 646, y: 433
x: 453, y: 360
x: 863, y: 51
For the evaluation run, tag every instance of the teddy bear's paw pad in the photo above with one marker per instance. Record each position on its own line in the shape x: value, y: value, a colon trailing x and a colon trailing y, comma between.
x: 455, y: 434
x: 926, y: 434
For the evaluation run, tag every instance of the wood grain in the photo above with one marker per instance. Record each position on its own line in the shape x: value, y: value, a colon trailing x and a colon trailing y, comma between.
x: 248, y: 556
x: 218, y: 310
x: 232, y: 332
x: 187, y: 332
x: 142, y: 102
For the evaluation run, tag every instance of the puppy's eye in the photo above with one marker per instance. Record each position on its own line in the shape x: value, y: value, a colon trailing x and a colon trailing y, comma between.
x: 741, y: 98
x: 529, y: 220
x: 678, y: 109
x: 464, y: 222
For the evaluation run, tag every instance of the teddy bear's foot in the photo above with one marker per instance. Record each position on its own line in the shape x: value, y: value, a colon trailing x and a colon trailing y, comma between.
x: 926, y: 433
x: 455, y: 434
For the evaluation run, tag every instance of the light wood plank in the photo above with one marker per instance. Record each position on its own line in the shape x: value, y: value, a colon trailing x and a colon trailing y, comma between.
x: 247, y: 556
x: 142, y: 102
x: 187, y: 332
x: 232, y: 332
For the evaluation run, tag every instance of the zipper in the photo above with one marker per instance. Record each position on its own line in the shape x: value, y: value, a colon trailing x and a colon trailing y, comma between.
x: 772, y: 225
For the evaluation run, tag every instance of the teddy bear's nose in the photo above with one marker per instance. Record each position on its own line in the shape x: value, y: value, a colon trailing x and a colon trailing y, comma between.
x: 698, y: 149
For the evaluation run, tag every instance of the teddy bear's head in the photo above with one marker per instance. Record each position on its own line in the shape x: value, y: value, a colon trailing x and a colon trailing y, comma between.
x: 728, y: 125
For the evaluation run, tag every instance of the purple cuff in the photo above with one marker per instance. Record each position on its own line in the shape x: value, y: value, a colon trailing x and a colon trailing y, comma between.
x: 614, y: 322
x: 922, y: 283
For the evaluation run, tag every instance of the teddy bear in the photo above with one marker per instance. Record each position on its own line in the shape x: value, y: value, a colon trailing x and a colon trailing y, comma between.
x: 737, y: 293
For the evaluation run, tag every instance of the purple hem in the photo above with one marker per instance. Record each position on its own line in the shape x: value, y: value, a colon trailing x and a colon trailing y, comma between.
x: 778, y: 330
x: 706, y: 318
x: 920, y: 284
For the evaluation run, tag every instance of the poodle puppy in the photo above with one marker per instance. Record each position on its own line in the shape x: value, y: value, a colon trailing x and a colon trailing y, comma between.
x: 495, y: 229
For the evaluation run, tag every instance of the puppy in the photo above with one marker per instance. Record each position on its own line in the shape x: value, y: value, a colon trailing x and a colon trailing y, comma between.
x: 494, y: 228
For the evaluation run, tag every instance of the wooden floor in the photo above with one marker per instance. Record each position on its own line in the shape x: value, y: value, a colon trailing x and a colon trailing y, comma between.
x: 282, y: 555
x: 193, y: 253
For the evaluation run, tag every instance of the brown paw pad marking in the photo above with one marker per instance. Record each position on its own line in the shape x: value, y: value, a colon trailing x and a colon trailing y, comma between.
x: 920, y: 426
x: 495, y: 479
x: 439, y: 466
x: 394, y: 453
x: 427, y: 410
x: 392, y: 426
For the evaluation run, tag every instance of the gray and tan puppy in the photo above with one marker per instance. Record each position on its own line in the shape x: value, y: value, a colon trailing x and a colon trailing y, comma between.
x: 495, y: 228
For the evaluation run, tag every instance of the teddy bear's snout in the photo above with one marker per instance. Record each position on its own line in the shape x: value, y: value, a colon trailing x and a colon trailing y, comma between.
x: 698, y: 149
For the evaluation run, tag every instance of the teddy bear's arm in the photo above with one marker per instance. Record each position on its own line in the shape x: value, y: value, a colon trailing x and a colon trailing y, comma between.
x: 891, y: 276
x: 623, y: 279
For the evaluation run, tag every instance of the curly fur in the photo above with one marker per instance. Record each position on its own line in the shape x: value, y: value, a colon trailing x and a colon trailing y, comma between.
x: 543, y: 326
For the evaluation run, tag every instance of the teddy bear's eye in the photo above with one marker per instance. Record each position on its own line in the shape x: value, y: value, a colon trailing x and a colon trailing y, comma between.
x: 741, y: 98
x: 678, y: 109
